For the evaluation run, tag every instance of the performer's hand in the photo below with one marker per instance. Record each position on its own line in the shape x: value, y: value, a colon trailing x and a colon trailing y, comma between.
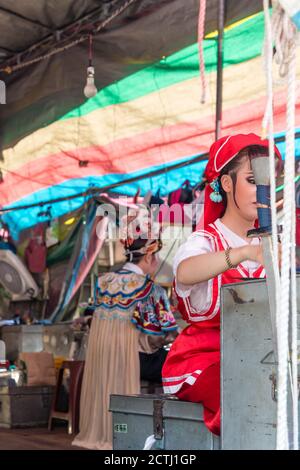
x: 170, y: 337
x: 255, y: 253
x: 80, y: 322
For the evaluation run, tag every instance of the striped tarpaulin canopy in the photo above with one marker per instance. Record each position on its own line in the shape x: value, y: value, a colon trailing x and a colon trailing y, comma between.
x: 146, y: 121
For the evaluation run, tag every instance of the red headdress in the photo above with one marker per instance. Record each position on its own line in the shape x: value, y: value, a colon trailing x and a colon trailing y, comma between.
x: 220, y: 154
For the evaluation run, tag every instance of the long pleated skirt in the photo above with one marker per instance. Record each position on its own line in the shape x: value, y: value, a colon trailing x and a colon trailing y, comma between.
x: 112, y: 367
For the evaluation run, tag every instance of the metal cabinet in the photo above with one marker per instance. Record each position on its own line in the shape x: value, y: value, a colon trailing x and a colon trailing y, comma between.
x: 248, y: 371
x: 176, y: 425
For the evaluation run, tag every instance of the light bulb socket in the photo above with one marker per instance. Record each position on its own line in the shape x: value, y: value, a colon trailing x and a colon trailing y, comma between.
x: 90, y: 71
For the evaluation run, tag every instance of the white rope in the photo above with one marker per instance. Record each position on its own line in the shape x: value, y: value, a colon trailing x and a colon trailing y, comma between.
x: 282, y: 31
x: 290, y: 154
x: 294, y: 334
x: 268, y: 127
x: 285, y: 37
x: 201, y: 28
x: 268, y: 60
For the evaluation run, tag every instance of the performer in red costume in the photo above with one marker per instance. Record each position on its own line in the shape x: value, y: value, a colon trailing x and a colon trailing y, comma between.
x: 218, y: 254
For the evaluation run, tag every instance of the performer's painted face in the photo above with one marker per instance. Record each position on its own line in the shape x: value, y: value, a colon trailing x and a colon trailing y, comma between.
x: 244, y: 196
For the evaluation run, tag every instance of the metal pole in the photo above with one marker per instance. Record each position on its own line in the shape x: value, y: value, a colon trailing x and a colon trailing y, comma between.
x: 221, y: 14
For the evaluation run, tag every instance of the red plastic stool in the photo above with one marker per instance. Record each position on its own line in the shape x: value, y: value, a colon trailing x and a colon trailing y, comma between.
x: 72, y: 415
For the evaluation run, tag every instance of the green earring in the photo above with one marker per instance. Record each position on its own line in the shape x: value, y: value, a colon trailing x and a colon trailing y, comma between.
x: 215, y: 196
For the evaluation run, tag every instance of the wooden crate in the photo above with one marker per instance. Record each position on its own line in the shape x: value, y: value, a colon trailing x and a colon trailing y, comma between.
x: 25, y: 406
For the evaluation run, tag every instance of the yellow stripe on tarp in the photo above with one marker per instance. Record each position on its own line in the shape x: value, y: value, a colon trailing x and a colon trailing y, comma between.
x: 214, y: 34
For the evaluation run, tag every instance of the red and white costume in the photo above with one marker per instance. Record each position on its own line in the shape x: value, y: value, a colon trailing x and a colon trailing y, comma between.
x: 192, y: 367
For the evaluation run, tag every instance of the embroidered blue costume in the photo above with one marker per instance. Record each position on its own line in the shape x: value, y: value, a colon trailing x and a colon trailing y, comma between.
x: 130, y: 311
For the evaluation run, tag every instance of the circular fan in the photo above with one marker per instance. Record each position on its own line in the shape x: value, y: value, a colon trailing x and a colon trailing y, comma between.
x: 10, y: 278
x: 15, y: 277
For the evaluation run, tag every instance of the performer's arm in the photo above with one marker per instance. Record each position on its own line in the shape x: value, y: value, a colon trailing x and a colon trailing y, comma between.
x: 206, y: 266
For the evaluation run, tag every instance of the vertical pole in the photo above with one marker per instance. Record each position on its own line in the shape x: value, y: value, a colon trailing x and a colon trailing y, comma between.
x: 221, y: 14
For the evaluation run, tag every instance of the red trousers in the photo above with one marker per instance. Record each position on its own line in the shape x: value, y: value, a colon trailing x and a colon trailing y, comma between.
x: 206, y: 390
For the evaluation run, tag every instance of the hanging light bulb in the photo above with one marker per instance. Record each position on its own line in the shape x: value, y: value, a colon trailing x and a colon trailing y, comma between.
x: 90, y: 89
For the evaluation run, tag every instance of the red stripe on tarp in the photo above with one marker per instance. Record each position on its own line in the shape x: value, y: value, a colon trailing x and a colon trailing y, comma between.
x: 124, y: 156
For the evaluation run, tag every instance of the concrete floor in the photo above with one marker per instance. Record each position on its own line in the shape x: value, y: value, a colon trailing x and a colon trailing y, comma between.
x: 36, y: 439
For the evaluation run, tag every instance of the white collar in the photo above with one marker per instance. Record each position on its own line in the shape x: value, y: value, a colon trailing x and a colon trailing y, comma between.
x: 134, y: 268
x: 234, y: 238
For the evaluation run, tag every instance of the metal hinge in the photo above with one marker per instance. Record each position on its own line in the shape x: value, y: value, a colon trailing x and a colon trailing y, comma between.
x: 272, y: 377
x: 158, y: 429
